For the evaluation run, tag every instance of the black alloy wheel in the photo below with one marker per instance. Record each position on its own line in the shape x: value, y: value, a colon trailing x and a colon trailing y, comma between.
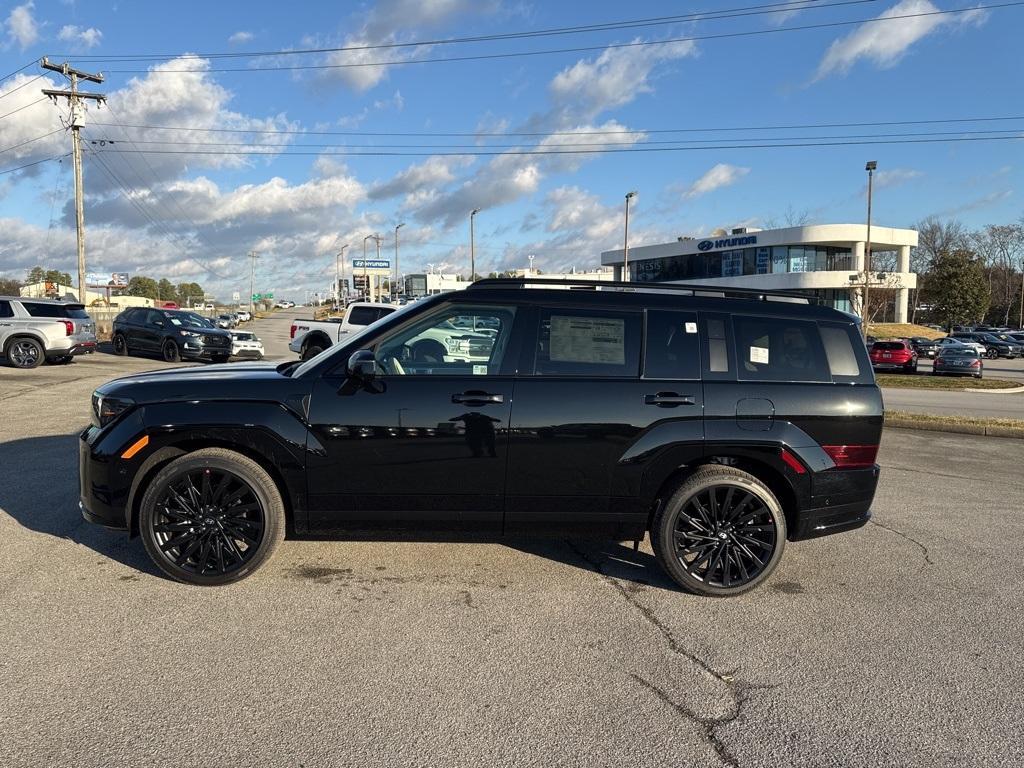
x: 170, y: 351
x: 721, y: 533
x: 211, y: 517
x: 24, y: 353
x: 120, y: 344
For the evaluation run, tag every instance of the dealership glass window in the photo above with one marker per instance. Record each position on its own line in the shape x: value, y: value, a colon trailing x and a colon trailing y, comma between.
x: 780, y: 259
x: 574, y: 342
x: 732, y: 263
x: 779, y: 349
x: 798, y: 259
x: 672, y: 346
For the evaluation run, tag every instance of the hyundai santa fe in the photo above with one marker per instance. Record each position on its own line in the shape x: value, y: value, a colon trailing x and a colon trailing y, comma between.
x: 722, y: 423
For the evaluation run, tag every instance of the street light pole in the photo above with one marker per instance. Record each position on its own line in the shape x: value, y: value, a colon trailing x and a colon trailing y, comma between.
x: 339, y: 259
x: 397, y: 273
x: 625, y: 239
x: 472, y: 245
x: 366, y: 279
x: 870, y: 168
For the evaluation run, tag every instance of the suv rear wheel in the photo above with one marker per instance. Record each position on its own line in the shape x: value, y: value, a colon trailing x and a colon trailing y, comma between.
x: 24, y: 352
x: 211, y: 517
x: 120, y: 344
x: 720, y: 533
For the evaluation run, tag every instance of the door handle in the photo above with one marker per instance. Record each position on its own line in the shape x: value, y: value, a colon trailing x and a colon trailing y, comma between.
x: 668, y: 399
x: 477, y: 398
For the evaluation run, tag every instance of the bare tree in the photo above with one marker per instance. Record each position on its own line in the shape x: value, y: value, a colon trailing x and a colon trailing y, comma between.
x: 935, y: 238
x: 1001, y: 247
x: 790, y: 218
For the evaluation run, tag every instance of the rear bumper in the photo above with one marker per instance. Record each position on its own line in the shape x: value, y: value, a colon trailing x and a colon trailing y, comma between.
x: 840, y: 501
x: 825, y: 521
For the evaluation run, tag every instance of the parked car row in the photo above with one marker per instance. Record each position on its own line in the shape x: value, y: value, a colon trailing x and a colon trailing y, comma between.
x: 950, y: 356
x: 179, y: 334
x: 36, y: 330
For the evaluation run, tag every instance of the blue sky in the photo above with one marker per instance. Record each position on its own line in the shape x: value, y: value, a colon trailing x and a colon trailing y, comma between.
x: 195, y: 216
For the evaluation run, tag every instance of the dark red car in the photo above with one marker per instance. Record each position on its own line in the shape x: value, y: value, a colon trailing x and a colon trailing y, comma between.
x: 893, y: 355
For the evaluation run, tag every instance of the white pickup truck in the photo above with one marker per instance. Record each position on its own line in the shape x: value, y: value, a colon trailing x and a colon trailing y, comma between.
x: 311, y: 337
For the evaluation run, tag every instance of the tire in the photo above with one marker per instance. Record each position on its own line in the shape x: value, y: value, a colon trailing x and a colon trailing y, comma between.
x: 311, y: 350
x: 24, y: 352
x: 992, y: 354
x: 227, y: 547
x: 688, y: 510
x: 120, y: 344
x: 170, y: 351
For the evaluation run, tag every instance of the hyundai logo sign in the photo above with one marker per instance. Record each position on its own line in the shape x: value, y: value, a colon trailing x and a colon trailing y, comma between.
x: 727, y: 242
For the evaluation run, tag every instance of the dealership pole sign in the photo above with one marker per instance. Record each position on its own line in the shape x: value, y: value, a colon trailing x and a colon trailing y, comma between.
x: 382, y: 265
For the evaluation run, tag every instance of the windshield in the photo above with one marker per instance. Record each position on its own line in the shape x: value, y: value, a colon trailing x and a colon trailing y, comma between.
x: 352, y: 339
x: 243, y: 336
x: 959, y: 352
x: 189, y: 319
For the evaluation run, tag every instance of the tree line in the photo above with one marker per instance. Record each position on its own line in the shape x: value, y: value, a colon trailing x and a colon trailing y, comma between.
x: 182, y: 294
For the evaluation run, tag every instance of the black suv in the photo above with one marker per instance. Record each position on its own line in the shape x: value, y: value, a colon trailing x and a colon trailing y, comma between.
x: 722, y: 422
x: 173, y: 334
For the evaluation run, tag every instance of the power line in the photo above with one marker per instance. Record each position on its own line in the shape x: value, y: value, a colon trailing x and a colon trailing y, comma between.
x: 5, y: 94
x: 22, y: 69
x: 589, y: 48
x: 37, y: 162
x: 612, y: 149
x: 623, y: 132
x: 725, y: 13
x: 284, y: 148
x: 29, y: 141
x: 24, y: 106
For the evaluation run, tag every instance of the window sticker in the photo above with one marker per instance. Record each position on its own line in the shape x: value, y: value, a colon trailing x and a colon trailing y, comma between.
x: 176, y: 321
x: 759, y: 355
x: 588, y: 340
x: 479, y: 370
x: 691, y: 327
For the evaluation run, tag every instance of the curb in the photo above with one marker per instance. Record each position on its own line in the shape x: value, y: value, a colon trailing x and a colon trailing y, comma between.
x: 1007, y: 391
x: 980, y: 430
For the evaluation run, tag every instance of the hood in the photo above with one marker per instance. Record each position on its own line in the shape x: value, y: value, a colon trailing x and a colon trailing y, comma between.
x: 195, y: 382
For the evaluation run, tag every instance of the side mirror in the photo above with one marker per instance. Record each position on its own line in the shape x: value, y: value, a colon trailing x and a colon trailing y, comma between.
x: 362, y: 365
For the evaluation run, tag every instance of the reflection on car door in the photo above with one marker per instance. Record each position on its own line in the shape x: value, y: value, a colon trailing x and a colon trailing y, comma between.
x: 424, y: 445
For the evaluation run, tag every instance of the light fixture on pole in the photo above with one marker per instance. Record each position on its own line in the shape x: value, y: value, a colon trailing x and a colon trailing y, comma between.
x: 625, y: 239
x: 531, y: 257
x: 472, y: 245
x: 397, y: 273
x: 339, y: 261
x: 870, y: 168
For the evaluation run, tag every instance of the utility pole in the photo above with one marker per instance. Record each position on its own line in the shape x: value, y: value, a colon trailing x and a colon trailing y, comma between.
x: 75, y: 101
x: 472, y: 245
x: 397, y: 273
x: 252, y: 283
x: 625, y: 240
x: 377, y: 292
x: 870, y: 168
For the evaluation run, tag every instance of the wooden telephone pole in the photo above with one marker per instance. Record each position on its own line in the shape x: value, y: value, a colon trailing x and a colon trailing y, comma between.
x: 76, y: 101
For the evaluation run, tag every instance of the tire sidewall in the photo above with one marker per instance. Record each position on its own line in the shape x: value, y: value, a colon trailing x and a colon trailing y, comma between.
x: 257, y: 479
x: 40, y: 355
x: 170, y: 345
x: 662, y: 532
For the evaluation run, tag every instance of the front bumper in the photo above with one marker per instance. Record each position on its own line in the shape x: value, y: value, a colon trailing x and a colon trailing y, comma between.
x: 102, y: 495
x: 253, y: 352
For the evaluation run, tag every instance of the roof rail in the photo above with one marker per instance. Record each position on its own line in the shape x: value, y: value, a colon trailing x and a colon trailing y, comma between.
x: 689, y: 289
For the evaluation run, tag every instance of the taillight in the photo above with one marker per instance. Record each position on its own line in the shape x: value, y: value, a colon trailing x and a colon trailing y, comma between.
x: 793, y: 462
x: 292, y: 336
x: 852, y: 456
x: 975, y: 363
x: 69, y: 327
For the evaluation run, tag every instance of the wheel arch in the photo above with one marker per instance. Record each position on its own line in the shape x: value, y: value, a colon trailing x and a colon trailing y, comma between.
x: 26, y: 333
x: 318, y: 337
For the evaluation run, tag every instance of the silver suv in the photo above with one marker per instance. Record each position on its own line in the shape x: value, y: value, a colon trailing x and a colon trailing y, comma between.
x: 33, y: 330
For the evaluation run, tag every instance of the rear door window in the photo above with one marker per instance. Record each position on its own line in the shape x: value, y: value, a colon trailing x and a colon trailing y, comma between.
x: 778, y: 349
x: 672, y: 345
x: 5, y: 309
x: 580, y: 342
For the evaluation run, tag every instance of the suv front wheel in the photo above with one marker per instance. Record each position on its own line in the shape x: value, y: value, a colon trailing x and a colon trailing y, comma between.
x: 211, y: 517
x: 720, y: 533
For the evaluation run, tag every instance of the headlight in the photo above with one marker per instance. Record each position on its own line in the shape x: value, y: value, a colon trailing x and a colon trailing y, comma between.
x: 188, y: 333
x: 106, y: 409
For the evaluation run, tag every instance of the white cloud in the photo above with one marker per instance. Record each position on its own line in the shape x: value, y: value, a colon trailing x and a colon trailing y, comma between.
x: 431, y: 174
x: 592, y: 86
x: 22, y: 27
x: 86, y: 38
x: 241, y: 37
x: 721, y: 175
x: 885, y: 42
x: 895, y: 177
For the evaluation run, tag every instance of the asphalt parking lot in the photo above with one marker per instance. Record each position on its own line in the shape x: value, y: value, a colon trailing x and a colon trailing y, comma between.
x: 897, y: 644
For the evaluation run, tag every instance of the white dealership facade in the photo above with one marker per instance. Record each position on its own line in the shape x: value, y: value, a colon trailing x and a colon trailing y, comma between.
x: 826, y: 260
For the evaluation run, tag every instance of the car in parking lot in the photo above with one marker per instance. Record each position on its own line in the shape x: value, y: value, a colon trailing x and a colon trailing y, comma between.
x: 172, y: 334
x: 244, y: 315
x: 246, y: 344
x: 924, y: 347
x: 723, y: 422
x: 948, y: 341
x: 34, y: 330
x: 958, y: 361
x: 893, y: 355
x: 994, y: 346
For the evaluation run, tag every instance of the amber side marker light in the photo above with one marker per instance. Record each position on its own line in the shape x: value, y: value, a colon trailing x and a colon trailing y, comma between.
x: 137, y: 446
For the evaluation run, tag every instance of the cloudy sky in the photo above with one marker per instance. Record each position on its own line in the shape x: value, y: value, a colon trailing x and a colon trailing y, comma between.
x: 206, y: 152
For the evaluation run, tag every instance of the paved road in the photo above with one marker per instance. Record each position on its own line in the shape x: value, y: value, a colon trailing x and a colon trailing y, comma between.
x: 898, y: 644
x: 982, y: 404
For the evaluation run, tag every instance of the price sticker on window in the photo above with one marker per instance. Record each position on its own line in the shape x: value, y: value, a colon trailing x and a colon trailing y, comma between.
x: 691, y: 327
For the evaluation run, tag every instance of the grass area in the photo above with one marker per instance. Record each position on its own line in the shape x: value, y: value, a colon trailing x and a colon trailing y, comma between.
x: 934, y: 420
x: 920, y: 381
x: 902, y: 330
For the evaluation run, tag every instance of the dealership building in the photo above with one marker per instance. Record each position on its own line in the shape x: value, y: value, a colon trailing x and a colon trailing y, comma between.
x: 823, y: 260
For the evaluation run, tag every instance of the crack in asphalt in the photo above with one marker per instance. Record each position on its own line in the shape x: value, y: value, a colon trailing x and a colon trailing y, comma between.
x: 901, y: 534
x: 738, y: 689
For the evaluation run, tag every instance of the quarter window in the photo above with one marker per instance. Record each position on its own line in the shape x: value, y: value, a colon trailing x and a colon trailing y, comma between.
x: 575, y: 342
x: 779, y: 349
x: 672, y: 348
x: 5, y: 309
